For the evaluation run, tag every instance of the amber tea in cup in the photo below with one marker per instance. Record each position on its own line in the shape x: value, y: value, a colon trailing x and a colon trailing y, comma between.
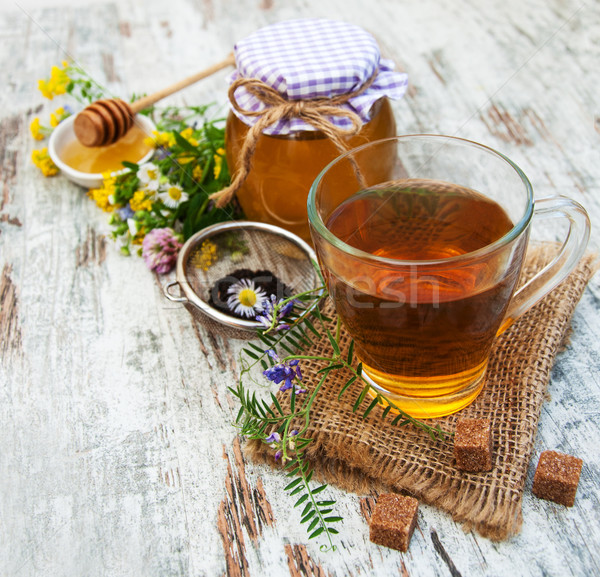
x: 422, y: 262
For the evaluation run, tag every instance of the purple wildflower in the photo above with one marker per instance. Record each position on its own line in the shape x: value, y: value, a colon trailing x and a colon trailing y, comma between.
x: 160, y: 249
x: 125, y: 213
x: 278, y: 455
x: 266, y: 314
x: 284, y: 372
x: 162, y: 153
x: 273, y: 438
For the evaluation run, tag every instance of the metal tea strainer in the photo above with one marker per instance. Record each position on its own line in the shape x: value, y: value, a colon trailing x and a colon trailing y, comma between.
x: 217, y: 251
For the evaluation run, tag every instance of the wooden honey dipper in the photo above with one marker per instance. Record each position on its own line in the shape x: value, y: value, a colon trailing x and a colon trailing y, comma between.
x: 105, y: 121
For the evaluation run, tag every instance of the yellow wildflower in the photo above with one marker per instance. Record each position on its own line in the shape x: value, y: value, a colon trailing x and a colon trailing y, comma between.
x: 41, y: 159
x: 206, y: 256
x: 218, y: 157
x: 57, y: 116
x: 36, y: 129
x: 185, y: 158
x: 139, y: 236
x: 187, y: 134
x: 197, y: 173
x: 100, y: 197
x: 140, y: 201
x: 56, y: 84
x: 104, y: 196
x: 45, y: 89
x: 164, y: 139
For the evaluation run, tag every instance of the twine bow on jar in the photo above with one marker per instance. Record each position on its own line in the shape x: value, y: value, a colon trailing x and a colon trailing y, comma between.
x: 314, y: 111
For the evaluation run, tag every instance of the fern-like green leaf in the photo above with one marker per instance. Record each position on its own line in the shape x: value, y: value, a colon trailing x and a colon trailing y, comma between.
x: 301, y: 500
x: 350, y: 356
x: 313, y: 524
x: 318, y: 489
x: 361, y: 397
x: 371, y: 406
x: 251, y: 354
x: 312, y: 328
x: 293, y: 484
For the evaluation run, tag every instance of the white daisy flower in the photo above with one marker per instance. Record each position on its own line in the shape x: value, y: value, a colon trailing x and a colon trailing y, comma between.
x: 245, y: 298
x: 172, y: 195
x: 132, y: 225
x: 149, y: 175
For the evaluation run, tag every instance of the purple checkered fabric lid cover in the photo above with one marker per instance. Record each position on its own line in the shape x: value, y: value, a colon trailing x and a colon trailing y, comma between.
x: 312, y: 58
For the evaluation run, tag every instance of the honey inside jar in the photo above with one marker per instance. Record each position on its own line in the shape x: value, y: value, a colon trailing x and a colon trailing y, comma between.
x: 285, y: 166
x: 95, y: 160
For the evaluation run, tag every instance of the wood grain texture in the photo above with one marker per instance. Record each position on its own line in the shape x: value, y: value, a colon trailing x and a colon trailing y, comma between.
x: 117, y: 454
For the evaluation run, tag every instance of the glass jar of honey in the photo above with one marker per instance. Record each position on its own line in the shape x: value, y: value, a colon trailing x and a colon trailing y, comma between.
x: 315, y: 63
x: 284, y: 167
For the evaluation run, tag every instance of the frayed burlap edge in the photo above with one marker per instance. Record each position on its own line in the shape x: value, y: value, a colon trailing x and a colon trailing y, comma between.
x: 490, y: 503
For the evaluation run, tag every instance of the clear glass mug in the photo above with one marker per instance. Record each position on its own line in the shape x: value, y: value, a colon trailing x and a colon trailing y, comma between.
x: 422, y: 257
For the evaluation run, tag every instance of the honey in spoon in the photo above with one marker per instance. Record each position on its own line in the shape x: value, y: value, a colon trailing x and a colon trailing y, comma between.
x: 131, y: 147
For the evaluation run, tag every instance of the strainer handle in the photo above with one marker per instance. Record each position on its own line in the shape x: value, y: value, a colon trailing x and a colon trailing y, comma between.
x: 172, y: 297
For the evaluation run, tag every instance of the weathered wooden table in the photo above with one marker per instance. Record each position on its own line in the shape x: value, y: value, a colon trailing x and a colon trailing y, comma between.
x: 117, y: 454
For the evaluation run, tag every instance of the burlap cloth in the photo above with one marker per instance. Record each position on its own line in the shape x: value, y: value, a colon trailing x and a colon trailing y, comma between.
x: 369, y: 455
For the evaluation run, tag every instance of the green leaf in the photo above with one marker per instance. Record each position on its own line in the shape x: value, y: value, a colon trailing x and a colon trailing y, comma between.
x: 301, y: 500
x: 313, y: 524
x: 297, y: 490
x: 361, y: 397
x: 301, y: 443
x: 305, y: 338
x: 316, y: 533
x: 268, y: 409
x: 318, y: 489
x: 373, y: 404
x: 286, y: 348
x: 332, y: 530
x: 334, y: 345
x: 251, y: 354
x: 293, y: 341
x: 333, y: 519
x: 292, y: 484
x: 351, y: 352
x: 325, y: 503
x: 239, y: 415
x: 308, y: 506
x: 276, y: 403
x: 312, y: 328
x: 184, y: 143
x: 130, y: 165
x: 345, y: 387
x: 256, y: 348
x: 330, y: 368
x: 308, y: 516
x: 269, y: 341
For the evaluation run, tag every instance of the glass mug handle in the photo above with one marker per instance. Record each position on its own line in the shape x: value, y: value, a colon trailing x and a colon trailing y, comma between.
x: 565, y: 261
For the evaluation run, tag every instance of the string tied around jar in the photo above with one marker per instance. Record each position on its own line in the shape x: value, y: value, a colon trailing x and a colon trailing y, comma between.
x: 314, y: 111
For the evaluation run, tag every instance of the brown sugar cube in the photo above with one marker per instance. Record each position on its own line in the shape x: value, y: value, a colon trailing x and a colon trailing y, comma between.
x: 393, y: 521
x: 473, y: 445
x: 556, y: 477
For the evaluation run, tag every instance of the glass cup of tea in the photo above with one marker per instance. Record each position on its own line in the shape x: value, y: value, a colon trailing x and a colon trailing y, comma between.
x: 421, y: 240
